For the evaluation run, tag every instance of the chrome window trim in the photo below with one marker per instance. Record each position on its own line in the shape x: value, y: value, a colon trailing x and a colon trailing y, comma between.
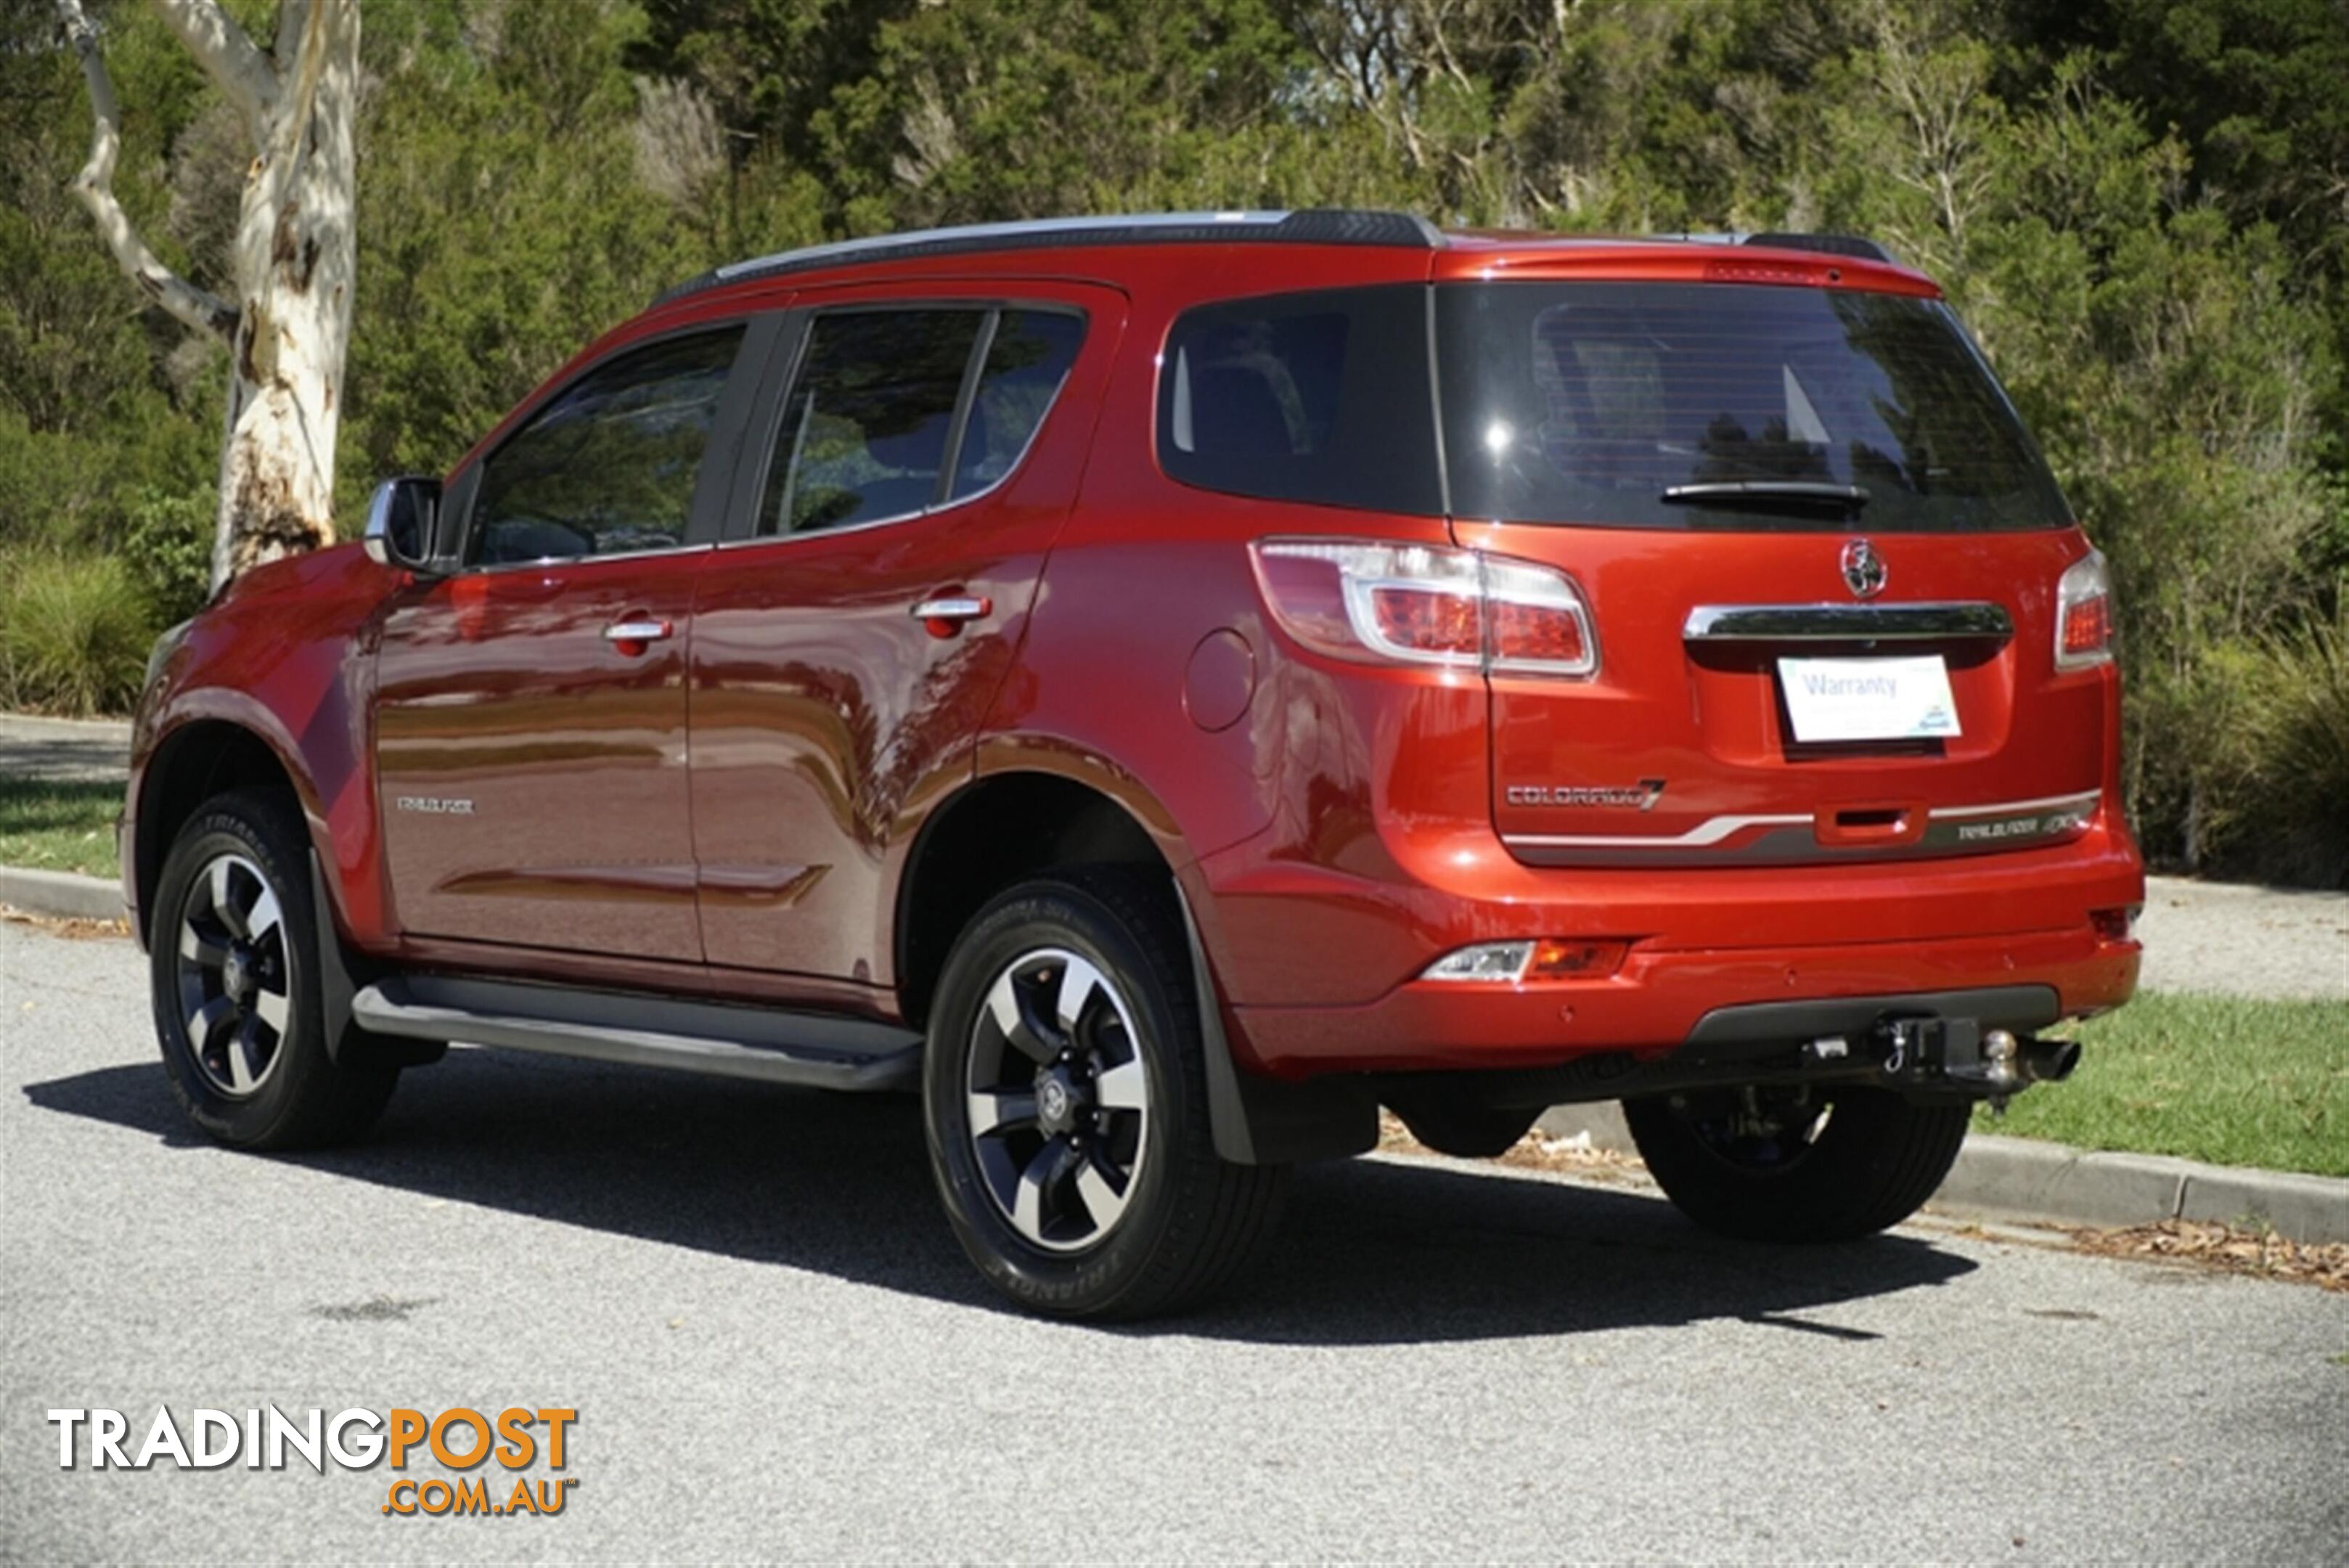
x: 542, y: 563
x: 1911, y: 622
x: 934, y: 509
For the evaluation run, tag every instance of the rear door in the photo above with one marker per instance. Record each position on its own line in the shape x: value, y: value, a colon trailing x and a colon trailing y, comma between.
x: 909, y: 467
x: 1822, y: 559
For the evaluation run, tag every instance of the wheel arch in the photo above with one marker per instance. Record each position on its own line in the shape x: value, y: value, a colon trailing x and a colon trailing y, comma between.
x: 1000, y: 829
x: 1005, y: 827
x: 192, y: 764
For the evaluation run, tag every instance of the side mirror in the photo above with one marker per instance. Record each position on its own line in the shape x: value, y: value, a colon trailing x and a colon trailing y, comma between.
x: 399, y: 524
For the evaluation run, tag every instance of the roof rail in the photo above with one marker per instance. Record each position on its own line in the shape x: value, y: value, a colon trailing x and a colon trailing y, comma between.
x: 1312, y: 225
x: 1829, y: 244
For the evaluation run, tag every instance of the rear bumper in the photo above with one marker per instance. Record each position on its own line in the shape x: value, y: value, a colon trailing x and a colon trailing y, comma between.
x: 1659, y: 999
x: 1319, y: 968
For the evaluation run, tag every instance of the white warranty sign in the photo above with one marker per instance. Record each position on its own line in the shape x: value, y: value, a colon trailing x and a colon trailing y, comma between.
x: 1869, y: 699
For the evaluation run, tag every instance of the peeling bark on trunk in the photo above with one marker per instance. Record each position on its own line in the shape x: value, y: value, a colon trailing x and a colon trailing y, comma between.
x: 288, y: 324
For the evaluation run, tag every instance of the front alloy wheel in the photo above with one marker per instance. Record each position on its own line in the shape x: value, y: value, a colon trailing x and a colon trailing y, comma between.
x: 235, y: 975
x: 234, y: 966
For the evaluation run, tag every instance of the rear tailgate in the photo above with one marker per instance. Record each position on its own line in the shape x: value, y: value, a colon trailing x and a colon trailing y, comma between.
x: 1682, y: 751
x: 1821, y: 558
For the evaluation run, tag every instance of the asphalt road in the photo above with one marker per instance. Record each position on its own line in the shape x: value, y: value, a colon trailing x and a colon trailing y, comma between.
x: 774, y: 1349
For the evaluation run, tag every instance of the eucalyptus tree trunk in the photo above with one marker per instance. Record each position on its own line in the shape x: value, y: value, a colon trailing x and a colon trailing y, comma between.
x: 289, y: 319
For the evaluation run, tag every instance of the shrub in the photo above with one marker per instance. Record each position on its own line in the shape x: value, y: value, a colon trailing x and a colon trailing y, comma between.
x: 74, y: 633
x: 166, y: 545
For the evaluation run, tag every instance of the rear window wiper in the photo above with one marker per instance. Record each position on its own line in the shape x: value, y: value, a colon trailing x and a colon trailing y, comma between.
x: 1768, y: 492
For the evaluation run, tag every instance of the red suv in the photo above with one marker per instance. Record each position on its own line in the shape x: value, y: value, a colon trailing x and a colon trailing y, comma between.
x: 1167, y: 686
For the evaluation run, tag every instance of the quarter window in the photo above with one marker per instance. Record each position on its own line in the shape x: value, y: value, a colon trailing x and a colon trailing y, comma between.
x: 1321, y: 397
x: 610, y: 465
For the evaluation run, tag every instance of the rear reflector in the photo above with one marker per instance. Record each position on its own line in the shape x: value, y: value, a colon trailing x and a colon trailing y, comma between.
x: 2083, y: 614
x: 1423, y: 604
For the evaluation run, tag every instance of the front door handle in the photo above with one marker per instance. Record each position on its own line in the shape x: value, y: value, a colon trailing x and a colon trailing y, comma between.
x: 633, y: 635
x: 944, y: 614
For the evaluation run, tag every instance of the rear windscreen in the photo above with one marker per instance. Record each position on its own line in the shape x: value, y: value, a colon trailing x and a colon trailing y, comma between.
x: 1585, y: 403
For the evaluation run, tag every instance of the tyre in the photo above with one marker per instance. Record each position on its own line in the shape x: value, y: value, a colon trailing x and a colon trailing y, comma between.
x: 1793, y: 1164
x: 1065, y: 1096
x: 234, y: 970
x: 1464, y: 1128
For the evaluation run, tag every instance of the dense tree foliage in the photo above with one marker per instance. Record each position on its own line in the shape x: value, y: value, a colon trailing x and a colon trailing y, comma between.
x: 2141, y: 205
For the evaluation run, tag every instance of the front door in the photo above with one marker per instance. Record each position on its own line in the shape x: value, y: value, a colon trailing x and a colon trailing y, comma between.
x: 531, y: 719
x: 854, y: 631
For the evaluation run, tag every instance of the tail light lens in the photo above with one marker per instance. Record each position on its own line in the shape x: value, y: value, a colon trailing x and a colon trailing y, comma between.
x: 2083, y: 614
x: 1421, y: 604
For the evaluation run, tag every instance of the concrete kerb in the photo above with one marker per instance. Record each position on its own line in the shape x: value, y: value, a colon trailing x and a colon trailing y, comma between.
x: 2025, y: 1179
x: 61, y: 894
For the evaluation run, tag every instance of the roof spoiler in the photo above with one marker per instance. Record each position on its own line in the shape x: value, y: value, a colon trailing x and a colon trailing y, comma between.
x: 1829, y: 244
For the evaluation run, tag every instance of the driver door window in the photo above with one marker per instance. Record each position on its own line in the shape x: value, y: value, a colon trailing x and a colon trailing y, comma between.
x: 609, y: 466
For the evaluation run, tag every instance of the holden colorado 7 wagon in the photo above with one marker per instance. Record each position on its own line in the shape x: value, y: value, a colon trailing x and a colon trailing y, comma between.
x: 1167, y: 686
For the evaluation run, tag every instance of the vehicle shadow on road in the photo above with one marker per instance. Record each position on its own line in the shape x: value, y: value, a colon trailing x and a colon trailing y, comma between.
x: 1372, y: 1252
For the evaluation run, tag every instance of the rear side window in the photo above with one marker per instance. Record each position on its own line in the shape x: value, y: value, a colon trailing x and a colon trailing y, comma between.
x: 864, y: 432
x: 1318, y: 397
x: 1587, y: 402
x: 610, y: 465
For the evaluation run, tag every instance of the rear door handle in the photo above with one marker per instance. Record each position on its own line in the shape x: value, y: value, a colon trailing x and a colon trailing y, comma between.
x: 632, y: 636
x: 944, y: 614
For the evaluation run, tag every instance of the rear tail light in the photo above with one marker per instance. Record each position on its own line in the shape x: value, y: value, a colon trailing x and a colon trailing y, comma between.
x: 2115, y: 925
x: 2083, y: 614
x: 1545, y: 957
x: 1422, y: 604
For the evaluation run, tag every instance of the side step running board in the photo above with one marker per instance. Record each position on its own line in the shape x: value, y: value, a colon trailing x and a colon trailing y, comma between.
x: 811, y: 1049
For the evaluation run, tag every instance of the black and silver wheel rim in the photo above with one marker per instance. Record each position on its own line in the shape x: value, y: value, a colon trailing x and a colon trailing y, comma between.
x: 1763, y: 1131
x: 234, y: 976
x: 1059, y: 1100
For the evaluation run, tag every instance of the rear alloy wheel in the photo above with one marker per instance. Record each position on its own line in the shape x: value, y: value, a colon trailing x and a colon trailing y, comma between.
x: 1065, y: 1096
x: 233, y: 969
x: 1796, y: 1163
x: 1059, y: 1100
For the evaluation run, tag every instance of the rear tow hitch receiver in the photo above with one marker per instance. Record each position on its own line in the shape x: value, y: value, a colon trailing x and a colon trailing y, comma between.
x: 1961, y: 1054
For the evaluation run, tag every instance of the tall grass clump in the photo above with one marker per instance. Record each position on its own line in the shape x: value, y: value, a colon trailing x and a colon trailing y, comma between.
x: 74, y: 633
x: 2300, y: 714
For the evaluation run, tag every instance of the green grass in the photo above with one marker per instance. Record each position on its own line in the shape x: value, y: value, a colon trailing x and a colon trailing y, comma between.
x: 59, y: 826
x: 2223, y: 1079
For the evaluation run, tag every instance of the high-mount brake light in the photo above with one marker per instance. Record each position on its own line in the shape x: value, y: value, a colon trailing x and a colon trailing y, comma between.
x: 2083, y: 614
x: 1424, y: 604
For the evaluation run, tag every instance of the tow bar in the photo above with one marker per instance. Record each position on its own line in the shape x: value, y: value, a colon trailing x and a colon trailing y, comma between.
x: 1958, y: 1051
